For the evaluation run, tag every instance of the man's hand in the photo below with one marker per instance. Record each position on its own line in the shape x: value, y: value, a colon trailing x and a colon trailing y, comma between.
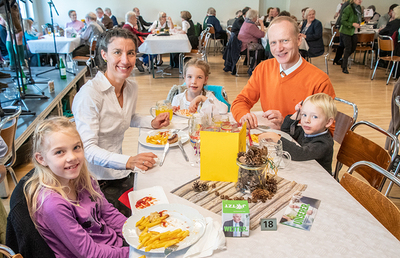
x: 143, y: 161
x: 275, y: 117
x: 251, y: 120
x: 160, y: 121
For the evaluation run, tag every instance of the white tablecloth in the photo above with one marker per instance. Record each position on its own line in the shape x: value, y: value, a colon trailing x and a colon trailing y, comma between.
x: 46, y: 45
x: 342, y: 228
x: 175, y: 43
x: 303, y: 45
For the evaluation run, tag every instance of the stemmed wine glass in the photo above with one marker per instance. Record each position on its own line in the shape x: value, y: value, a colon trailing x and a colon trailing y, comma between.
x: 194, y: 134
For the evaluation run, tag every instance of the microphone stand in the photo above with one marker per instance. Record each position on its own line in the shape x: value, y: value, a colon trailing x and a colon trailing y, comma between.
x: 51, y: 4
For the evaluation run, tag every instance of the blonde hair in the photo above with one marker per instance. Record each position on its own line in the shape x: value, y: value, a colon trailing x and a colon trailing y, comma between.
x: 27, y: 25
x: 288, y: 19
x: 43, y: 179
x: 396, y: 12
x: 325, y: 102
x: 160, y: 14
x: 202, y: 65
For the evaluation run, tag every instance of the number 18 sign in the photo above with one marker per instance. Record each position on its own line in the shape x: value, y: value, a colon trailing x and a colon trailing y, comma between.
x: 269, y: 224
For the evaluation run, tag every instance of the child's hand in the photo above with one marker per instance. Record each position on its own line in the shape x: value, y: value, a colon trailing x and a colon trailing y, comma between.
x: 270, y: 136
x: 298, y: 109
x: 194, y: 104
x: 175, y: 108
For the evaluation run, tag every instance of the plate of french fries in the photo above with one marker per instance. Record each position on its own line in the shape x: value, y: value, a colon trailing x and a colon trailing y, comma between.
x: 158, y: 138
x: 157, y: 227
x: 183, y: 113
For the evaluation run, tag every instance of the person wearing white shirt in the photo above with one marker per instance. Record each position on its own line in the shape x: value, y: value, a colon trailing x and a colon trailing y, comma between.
x: 104, y: 108
x: 162, y: 21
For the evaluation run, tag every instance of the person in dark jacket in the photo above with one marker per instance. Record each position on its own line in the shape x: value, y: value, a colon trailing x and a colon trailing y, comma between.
x: 112, y: 17
x: 393, y: 25
x: 141, y: 23
x: 103, y: 18
x: 212, y: 20
x: 311, y: 31
x: 239, y: 21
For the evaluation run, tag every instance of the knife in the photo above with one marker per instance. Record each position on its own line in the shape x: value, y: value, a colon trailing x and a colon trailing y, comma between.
x: 164, y: 154
x: 183, y: 150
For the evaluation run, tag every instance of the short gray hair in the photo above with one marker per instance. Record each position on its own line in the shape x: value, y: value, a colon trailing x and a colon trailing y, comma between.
x: 91, y: 16
x: 128, y: 15
x: 107, y: 10
x: 308, y: 11
x: 251, y: 14
x: 396, y: 12
x: 211, y: 11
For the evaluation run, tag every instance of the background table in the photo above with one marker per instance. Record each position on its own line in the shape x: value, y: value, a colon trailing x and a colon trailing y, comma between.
x: 342, y: 228
x: 46, y: 45
x: 175, y: 43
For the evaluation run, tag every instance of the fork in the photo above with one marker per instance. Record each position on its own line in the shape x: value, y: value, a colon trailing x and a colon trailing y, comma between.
x: 170, y: 249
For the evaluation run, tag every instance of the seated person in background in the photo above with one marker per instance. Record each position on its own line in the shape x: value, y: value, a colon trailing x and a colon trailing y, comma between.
x: 267, y: 18
x: 140, y: 21
x: 112, y: 17
x: 303, y: 16
x: 273, y: 12
x: 188, y: 28
x: 312, y: 32
x: 92, y: 29
x: 231, y: 21
x: 212, y: 20
x: 384, y: 19
x: 3, y: 174
x: 3, y: 38
x: 317, y: 114
x: 249, y: 32
x: 284, y: 13
x: 31, y: 34
x: 74, y: 23
x: 393, y: 25
x: 130, y: 20
x: 239, y: 21
x: 103, y: 18
x: 64, y: 199
x: 375, y: 17
x: 162, y: 23
x: 281, y: 82
x: 196, y: 73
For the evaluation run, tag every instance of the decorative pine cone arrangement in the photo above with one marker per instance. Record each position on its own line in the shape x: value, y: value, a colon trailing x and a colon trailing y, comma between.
x: 199, y: 186
x: 254, y: 156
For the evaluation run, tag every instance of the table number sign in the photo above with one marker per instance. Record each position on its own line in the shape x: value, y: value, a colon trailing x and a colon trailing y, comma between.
x: 269, y: 224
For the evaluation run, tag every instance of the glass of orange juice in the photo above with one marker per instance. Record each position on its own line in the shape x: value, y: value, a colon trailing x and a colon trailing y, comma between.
x: 162, y: 106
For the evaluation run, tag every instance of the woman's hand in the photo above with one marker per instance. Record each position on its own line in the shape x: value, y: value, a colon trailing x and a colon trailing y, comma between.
x: 161, y: 120
x: 175, y: 108
x: 194, y: 104
x: 356, y: 25
x: 143, y: 161
x: 270, y: 136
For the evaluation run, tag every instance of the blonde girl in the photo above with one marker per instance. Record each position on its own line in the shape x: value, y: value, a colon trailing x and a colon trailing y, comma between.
x: 65, y: 201
x: 196, y: 75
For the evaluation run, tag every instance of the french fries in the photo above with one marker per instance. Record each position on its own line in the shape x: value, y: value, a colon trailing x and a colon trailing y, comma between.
x: 254, y: 138
x: 185, y: 112
x: 159, y: 139
x: 153, y: 239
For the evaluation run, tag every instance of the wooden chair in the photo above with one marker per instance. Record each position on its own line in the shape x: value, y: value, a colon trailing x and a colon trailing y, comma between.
x: 199, y: 53
x: 90, y: 60
x: 214, y: 39
x: 356, y: 148
x: 365, y: 44
x: 8, y: 252
x: 343, y: 122
x: 385, y: 43
x: 332, y: 44
x: 8, y: 135
x: 383, y: 209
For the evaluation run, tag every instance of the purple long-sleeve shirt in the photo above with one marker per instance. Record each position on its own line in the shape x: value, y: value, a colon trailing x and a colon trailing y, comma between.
x: 249, y: 32
x: 92, y: 229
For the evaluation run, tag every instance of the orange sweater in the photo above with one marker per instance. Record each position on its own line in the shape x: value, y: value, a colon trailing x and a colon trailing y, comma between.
x: 277, y: 93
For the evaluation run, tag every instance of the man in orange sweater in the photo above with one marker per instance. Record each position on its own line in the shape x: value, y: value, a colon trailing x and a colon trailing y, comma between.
x: 281, y: 82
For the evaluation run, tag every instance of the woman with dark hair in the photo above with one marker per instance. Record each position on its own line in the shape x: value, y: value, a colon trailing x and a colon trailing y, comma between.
x: 351, y: 19
x: 104, y: 108
x: 311, y: 31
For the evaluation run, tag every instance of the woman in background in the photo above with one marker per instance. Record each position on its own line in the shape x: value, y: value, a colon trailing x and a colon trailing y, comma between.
x: 74, y: 23
x: 311, y: 31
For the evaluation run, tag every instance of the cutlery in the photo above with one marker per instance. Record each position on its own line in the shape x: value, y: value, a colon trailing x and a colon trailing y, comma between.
x: 170, y: 249
x: 182, y: 149
x: 295, y: 122
x: 263, y: 128
x: 164, y: 154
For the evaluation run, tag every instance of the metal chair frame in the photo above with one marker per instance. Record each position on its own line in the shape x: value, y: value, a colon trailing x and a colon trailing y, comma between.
x: 344, y: 120
x: 91, y: 58
x: 385, y: 43
x: 366, y: 43
x: 201, y: 53
x: 8, y: 252
x: 215, y: 40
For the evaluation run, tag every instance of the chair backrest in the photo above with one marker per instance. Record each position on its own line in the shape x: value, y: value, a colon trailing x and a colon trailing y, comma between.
x: 356, y: 148
x: 385, y: 43
x: 343, y: 122
x: 211, y: 29
x: 8, y: 134
x: 93, y: 44
x: 8, y: 252
x: 366, y: 37
x: 383, y: 209
x: 335, y: 31
x: 219, y: 93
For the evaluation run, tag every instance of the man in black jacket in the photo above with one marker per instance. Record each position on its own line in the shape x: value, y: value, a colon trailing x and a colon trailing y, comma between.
x: 239, y: 21
x: 140, y: 21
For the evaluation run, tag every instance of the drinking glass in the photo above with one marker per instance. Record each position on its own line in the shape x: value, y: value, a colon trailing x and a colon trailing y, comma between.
x: 276, y: 154
x: 162, y: 106
x: 11, y: 93
x: 195, y: 125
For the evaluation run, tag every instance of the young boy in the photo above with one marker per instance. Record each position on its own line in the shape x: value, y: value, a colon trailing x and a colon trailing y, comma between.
x: 317, y: 114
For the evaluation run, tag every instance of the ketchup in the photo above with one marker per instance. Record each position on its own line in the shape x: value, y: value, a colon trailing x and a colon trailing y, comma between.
x: 145, y: 202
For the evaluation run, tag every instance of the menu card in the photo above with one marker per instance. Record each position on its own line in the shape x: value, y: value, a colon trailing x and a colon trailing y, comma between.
x: 235, y: 218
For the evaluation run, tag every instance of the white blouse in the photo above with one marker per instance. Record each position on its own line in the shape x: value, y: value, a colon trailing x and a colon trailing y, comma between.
x: 181, y: 101
x: 157, y: 25
x: 101, y: 123
x: 185, y: 26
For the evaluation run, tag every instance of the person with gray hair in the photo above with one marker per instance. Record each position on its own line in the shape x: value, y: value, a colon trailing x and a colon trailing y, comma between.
x: 387, y: 17
x: 162, y: 22
x: 249, y: 32
x: 140, y: 21
x: 214, y: 22
x: 74, y: 23
x: 92, y: 29
x: 107, y: 11
x: 103, y: 18
x: 311, y: 31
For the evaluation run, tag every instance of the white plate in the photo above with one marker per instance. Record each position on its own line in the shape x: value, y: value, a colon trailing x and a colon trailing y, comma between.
x: 156, y: 192
x: 180, y: 216
x: 283, y: 134
x: 177, y: 113
x: 142, y: 138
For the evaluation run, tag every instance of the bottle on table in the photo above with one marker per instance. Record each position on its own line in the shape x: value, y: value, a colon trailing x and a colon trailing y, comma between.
x: 22, y: 79
x: 63, y: 69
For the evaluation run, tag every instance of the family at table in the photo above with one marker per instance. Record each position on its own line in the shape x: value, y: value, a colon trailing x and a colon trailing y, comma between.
x: 89, y: 217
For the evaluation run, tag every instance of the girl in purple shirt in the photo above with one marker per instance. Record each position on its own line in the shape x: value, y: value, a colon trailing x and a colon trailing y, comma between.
x: 65, y: 202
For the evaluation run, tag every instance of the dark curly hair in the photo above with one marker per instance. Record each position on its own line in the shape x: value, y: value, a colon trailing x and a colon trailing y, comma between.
x: 107, y: 37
